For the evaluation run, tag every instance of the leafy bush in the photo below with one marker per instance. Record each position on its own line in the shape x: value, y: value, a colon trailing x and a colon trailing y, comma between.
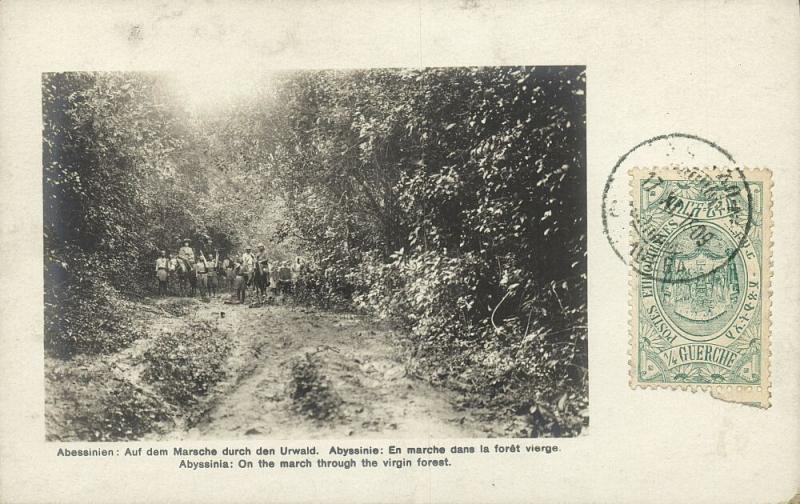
x: 539, y: 375
x: 532, y: 365
x: 325, y: 284
x: 87, y: 317
x: 184, y: 366
x: 379, y: 288
x: 129, y: 414
x: 311, y: 392
x: 93, y: 404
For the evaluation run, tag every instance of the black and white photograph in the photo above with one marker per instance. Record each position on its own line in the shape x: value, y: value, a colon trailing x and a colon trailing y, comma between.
x: 311, y: 254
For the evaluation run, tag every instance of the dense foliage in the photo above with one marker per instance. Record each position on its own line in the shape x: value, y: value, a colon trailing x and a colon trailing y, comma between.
x: 451, y: 200
x: 115, y: 409
x: 184, y: 366
x: 311, y: 391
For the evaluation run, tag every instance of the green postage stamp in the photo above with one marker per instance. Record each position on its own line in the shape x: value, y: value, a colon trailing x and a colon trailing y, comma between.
x: 700, y: 284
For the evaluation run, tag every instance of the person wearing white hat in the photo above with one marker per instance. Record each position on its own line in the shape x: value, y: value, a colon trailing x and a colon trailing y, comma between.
x: 162, y: 272
x: 187, y: 252
x: 248, y: 264
x: 211, y: 255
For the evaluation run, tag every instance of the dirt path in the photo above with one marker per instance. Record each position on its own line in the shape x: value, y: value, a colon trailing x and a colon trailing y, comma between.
x: 360, y: 358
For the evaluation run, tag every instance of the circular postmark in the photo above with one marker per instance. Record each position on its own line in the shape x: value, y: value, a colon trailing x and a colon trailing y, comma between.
x: 692, y: 214
x: 688, y: 223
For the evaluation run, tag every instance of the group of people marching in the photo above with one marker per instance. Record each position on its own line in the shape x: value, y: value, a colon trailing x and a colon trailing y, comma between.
x: 187, y: 271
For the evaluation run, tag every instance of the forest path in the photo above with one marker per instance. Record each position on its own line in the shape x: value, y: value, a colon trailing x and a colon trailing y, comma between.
x: 360, y: 357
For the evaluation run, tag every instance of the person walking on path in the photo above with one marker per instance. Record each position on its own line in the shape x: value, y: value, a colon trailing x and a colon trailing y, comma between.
x: 162, y: 272
x: 239, y: 282
x: 211, y: 254
x: 262, y: 272
x: 201, y: 270
x: 248, y: 264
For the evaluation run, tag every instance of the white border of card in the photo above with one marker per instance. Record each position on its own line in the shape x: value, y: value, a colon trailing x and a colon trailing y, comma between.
x: 725, y: 71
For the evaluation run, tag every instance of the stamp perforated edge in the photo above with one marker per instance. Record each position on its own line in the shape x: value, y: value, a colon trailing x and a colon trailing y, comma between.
x: 744, y: 394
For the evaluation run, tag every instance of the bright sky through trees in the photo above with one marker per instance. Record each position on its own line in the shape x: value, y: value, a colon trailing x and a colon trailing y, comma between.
x: 213, y: 89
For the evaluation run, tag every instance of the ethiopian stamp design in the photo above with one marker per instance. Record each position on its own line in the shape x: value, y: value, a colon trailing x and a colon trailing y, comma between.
x: 700, y: 285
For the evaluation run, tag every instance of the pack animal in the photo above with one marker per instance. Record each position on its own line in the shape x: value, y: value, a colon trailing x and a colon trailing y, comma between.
x: 261, y: 280
x: 285, y: 280
x: 186, y: 277
x: 230, y: 273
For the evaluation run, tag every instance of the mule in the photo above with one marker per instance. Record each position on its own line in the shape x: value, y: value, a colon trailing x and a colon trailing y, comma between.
x: 186, y: 277
x: 172, y: 276
x: 261, y: 280
x: 285, y: 282
x: 274, y: 284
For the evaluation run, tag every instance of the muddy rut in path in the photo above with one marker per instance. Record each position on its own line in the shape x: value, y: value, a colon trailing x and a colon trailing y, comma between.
x: 359, y: 357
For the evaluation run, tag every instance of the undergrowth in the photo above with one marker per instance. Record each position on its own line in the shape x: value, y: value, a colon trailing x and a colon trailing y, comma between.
x: 94, y: 400
x: 184, y: 365
x: 521, y: 353
x: 98, y: 406
x: 89, y: 317
x: 311, y: 392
